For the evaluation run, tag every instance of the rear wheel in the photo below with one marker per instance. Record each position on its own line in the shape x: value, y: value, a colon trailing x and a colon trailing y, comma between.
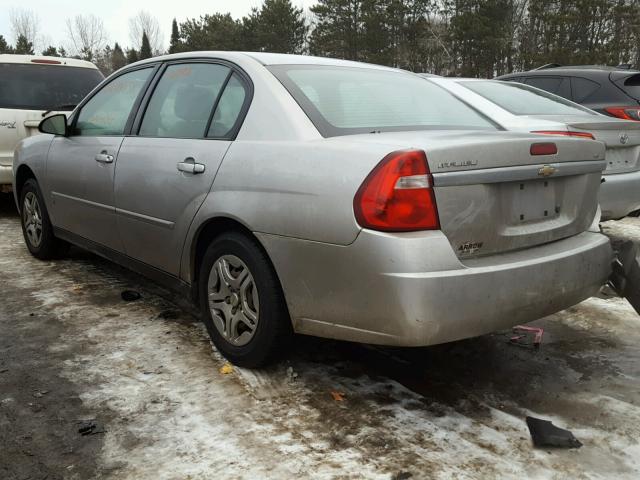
x: 36, y: 225
x: 242, y: 302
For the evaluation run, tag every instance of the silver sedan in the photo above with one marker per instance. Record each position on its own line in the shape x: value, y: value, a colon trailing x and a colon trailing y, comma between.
x: 331, y: 198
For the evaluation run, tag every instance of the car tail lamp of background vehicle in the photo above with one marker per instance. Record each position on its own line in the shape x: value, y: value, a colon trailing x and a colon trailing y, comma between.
x: 626, y: 113
x: 397, y: 196
x: 564, y: 133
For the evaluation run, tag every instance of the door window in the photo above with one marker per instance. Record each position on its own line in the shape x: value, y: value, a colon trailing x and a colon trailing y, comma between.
x: 108, y: 110
x: 183, y: 100
x: 228, y: 110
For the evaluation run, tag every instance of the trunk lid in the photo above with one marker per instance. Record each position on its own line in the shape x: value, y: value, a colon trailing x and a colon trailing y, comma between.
x: 493, y: 196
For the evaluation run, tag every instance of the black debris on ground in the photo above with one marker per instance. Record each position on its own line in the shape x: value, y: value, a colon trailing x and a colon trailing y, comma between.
x: 545, y: 434
x: 130, y: 295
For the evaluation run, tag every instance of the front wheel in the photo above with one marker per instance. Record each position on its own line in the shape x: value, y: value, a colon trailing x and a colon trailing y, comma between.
x: 242, y: 303
x: 36, y: 225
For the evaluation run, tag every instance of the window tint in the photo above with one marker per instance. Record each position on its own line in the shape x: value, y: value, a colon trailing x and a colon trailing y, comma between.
x: 345, y: 100
x: 550, y: 84
x: 182, y: 101
x: 108, y: 110
x: 228, y: 109
x: 44, y: 87
x: 521, y: 99
x: 632, y: 86
x: 583, y: 88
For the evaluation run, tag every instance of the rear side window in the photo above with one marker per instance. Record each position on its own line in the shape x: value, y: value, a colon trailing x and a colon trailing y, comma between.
x: 346, y: 100
x: 183, y: 100
x: 583, y: 88
x: 107, y: 112
x: 521, y: 99
x: 229, y: 108
x: 45, y: 87
x: 632, y: 86
x: 558, y: 85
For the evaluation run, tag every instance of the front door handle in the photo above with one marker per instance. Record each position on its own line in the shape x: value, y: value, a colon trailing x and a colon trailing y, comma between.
x: 104, y: 157
x: 189, y: 165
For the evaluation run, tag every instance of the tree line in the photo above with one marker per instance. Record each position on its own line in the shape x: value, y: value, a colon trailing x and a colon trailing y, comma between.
x: 478, y: 38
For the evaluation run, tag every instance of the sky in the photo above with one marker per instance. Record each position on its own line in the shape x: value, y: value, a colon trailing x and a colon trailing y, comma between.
x: 115, y: 14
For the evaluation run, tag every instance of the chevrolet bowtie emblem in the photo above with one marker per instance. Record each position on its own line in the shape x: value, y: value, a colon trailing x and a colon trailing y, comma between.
x: 547, y: 171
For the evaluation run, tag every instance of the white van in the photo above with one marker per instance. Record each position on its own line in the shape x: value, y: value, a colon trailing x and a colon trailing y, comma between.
x: 31, y: 87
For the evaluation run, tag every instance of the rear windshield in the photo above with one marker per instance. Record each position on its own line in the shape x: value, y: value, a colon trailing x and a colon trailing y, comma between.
x: 44, y: 87
x: 521, y: 99
x: 346, y: 100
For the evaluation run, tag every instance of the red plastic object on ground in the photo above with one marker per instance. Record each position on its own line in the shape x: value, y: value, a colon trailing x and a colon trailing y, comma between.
x: 525, y: 331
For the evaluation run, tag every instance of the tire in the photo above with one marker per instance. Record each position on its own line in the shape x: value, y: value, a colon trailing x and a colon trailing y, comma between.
x: 248, y: 288
x: 36, y: 225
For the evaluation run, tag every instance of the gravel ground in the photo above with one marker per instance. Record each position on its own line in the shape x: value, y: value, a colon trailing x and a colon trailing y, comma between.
x: 166, y: 407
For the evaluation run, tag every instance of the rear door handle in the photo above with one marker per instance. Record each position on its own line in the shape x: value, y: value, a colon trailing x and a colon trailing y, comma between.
x: 189, y: 165
x: 104, y: 157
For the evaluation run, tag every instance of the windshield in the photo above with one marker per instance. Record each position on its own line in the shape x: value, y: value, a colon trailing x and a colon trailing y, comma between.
x: 522, y: 99
x: 346, y: 100
x: 44, y: 87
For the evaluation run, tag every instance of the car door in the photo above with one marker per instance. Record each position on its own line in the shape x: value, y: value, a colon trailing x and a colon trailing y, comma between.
x: 165, y: 171
x: 81, y: 166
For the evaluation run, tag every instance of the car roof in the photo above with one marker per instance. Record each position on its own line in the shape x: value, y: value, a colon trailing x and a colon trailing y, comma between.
x: 572, y: 70
x: 54, y: 61
x: 267, y: 59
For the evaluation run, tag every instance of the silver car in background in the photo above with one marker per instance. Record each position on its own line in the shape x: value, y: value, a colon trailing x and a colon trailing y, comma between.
x: 323, y: 197
x: 523, y: 108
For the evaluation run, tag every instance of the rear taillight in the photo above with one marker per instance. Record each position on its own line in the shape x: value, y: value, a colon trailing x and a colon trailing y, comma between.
x: 626, y: 113
x: 543, y: 149
x: 564, y: 133
x: 397, y: 196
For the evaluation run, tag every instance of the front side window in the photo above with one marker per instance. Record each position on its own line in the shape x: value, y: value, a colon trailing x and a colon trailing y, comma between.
x: 348, y: 100
x: 107, y: 112
x: 45, y: 87
x: 521, y: 99
x: 183, y: 100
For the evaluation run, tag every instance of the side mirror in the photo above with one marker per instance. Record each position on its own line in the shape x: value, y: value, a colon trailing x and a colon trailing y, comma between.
x: 55, y: 124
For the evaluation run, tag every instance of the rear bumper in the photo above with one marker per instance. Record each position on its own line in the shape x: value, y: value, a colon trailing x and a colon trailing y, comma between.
x: 6, y: 174
x: 411, y: 289
x: 620, y: 195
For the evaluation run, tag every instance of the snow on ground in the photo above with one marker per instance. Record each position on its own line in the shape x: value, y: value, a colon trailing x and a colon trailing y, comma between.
x: 451, y: 411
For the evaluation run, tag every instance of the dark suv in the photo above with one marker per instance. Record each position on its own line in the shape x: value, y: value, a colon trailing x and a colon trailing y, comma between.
x: 614, y: 91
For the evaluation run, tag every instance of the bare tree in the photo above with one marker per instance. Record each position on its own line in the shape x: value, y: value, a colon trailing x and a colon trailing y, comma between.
x: 24, y: 23
x: 144, y: 22
x: 87, y: 35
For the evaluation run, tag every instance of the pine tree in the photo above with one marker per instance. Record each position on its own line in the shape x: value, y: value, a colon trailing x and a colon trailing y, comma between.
x: 338, y: 29
x: 132, y: 55
x: 281, y: 27
x: 4, y: 46
x: 145, y: 48
x: 24, y: 46
x: 51, y: 51
x: 213, y: 32
x: 175, y: 44
x: 118, y: 59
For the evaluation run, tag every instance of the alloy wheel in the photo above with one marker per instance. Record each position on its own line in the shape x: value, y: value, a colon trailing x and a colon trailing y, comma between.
x: 32, y: 219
